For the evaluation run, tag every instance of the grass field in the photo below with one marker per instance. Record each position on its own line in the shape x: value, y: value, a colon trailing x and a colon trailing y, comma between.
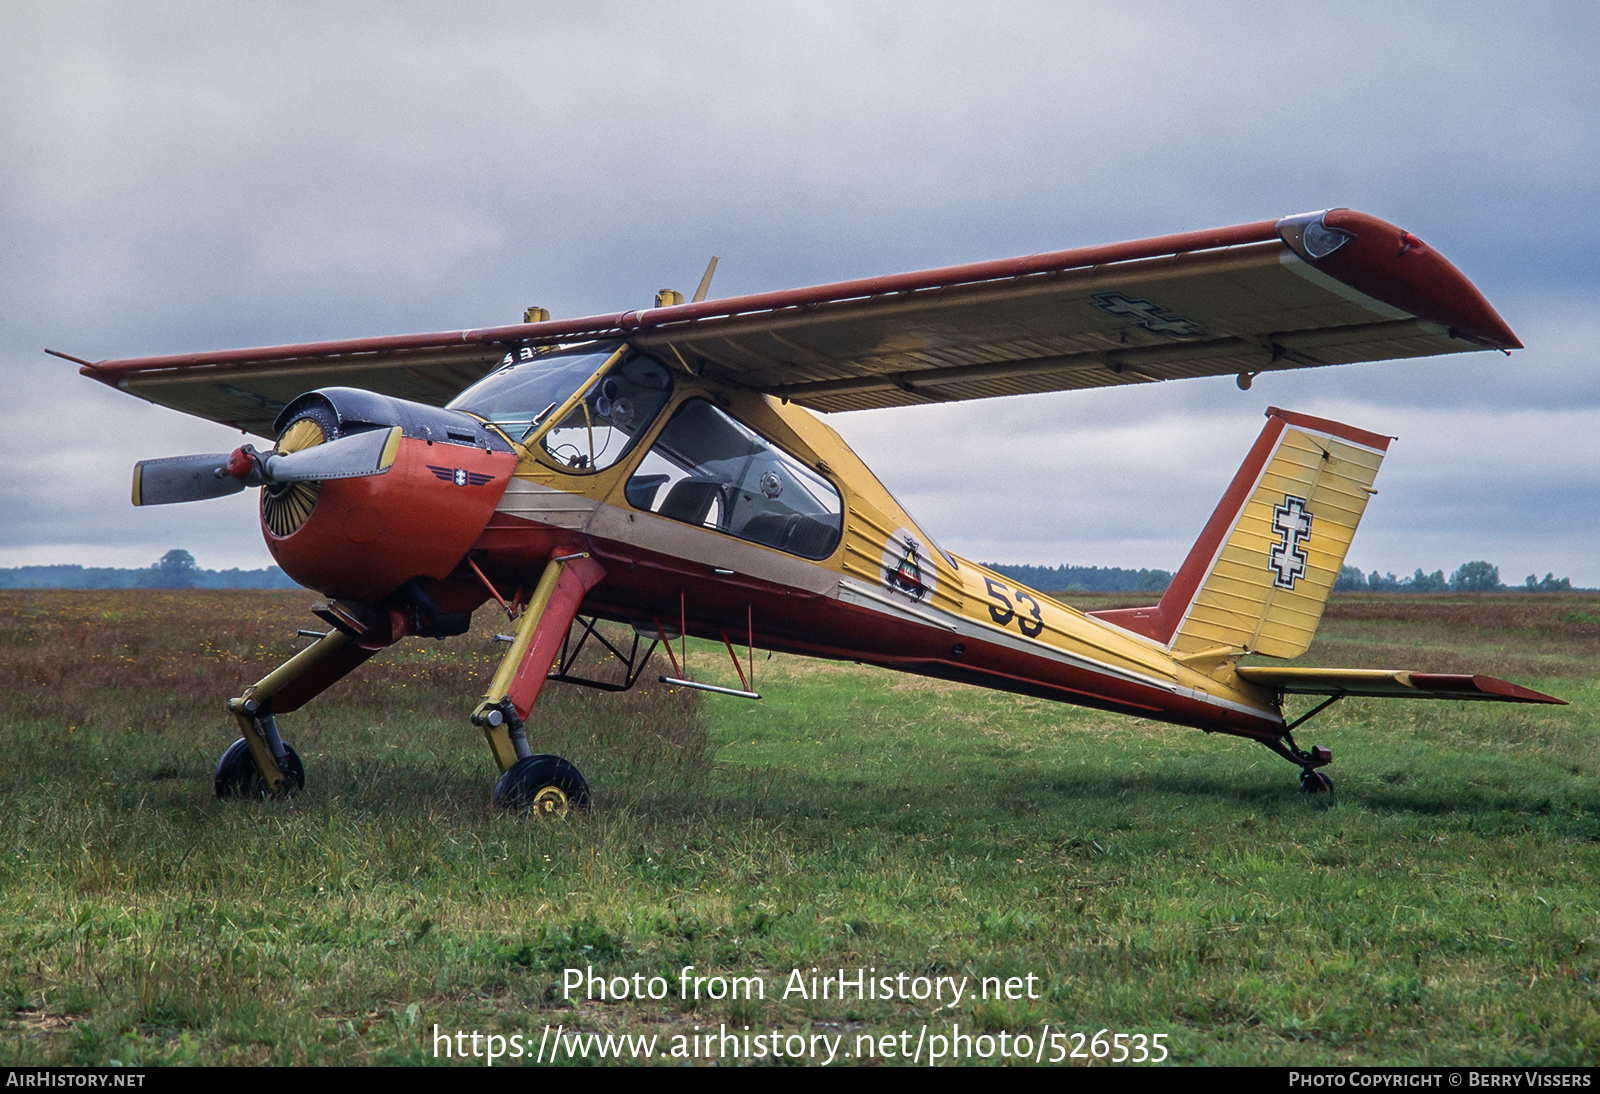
x: 1442, y: 909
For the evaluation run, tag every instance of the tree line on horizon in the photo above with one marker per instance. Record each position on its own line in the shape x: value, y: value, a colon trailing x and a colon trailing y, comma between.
x: 1470, y: 577
x: 176, y: 569
x: 1085, y: 579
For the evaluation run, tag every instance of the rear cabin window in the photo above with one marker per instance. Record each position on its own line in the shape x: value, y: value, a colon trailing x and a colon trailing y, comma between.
x: 710, y: 470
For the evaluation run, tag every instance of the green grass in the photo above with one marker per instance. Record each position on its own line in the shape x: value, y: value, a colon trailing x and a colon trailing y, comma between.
x: 1441, y: 910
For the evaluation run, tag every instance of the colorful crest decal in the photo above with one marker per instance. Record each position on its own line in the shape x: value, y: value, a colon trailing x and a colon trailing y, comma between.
x: 460, y: 476
x: 907, y: 570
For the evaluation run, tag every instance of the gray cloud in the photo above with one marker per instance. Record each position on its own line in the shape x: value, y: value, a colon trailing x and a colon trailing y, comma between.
x: 184, y: 177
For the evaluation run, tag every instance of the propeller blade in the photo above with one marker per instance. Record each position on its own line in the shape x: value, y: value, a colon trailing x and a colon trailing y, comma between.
x: 369, y: 453
x: 183, y: 478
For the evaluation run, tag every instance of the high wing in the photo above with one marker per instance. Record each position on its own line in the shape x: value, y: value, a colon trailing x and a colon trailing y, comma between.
x: 1236, y: 300
x: 1317, y: 289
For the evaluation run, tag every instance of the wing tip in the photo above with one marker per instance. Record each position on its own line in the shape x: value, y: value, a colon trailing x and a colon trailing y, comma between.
x: 1388, y: 263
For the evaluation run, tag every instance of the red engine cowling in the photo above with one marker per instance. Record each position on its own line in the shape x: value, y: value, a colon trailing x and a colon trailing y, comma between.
x: 364, y: 537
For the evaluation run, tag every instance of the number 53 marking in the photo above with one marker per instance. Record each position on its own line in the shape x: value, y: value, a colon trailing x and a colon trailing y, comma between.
x: 1003, y: 612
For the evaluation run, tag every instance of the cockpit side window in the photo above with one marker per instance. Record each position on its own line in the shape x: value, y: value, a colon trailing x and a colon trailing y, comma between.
x: 599, y: 429
x: 708, y: 469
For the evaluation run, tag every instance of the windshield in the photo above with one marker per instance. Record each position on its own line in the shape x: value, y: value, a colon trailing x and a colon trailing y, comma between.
x: 599, y: 429
x: 527, y: 387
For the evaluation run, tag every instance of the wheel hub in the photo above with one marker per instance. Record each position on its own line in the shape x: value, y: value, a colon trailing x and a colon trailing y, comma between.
x: 550, y: 802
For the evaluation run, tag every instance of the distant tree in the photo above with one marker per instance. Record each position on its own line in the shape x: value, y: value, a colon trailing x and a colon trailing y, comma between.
x: 73, y: 576
x: 1094, y: 579
x: 1475, y: 577
x: 1470, y: 577
x: 1350, y: 580
x: 1420, y: 582
x: 1153, y: 581
x: 175, y: 570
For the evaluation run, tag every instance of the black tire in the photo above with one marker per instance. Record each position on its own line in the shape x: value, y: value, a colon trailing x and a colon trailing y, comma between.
x: 1315, y: 782
x: 237, y: 776
x: 547, y: 785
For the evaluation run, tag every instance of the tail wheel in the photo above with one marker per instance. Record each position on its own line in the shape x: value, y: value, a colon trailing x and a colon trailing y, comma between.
x: 1315, y: 782
x: 547, y: 786
x: 285, y: 506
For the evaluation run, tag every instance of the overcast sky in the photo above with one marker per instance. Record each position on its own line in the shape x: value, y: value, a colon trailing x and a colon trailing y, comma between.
x: 179, y: 177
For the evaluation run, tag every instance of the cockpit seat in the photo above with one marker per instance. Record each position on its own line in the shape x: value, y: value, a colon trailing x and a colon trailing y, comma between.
x: 641, y: 490
x: 793, y: 532
x: 811, y: 538
x: 771, y: 529
x: 690, y: 500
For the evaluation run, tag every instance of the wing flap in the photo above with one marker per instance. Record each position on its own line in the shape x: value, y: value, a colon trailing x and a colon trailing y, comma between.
x: 1385, y: 684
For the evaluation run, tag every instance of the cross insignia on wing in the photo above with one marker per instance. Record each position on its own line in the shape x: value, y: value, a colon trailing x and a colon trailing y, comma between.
x: 1147, y: 314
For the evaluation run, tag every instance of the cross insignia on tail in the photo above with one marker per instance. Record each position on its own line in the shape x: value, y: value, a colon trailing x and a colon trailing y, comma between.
x: 1288, y: 559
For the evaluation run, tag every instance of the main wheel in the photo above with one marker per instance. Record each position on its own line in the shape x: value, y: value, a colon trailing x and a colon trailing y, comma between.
x: 1313, y: 781
x: 237, y: 776
x: 548, y: 785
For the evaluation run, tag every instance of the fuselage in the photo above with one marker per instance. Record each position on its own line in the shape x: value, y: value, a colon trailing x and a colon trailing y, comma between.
x: 716, y: 512
x: 877, y: 590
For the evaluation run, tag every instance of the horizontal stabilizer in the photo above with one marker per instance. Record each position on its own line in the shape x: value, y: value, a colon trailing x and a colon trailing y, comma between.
x: 183, y: 478
x: 1384, y: 684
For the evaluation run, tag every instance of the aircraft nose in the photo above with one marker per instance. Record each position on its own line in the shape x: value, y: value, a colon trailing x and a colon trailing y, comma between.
x: 362, y: 536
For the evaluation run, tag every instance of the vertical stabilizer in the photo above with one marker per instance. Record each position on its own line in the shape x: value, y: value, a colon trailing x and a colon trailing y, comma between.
x: 1259, y: 575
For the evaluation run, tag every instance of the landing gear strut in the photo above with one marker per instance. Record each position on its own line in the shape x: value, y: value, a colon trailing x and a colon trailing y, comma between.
x: 260, y: 764
x: 1312, y: 781
x: 548, y: 785
x: 274, y: 770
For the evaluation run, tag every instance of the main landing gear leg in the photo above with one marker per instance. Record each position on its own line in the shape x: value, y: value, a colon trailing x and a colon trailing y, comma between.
x: 277, y: 769
x: 261, y: 763
x: 547, y: 784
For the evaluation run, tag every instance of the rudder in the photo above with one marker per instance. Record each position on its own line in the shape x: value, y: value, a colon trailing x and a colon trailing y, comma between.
x: 1259, y: 576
